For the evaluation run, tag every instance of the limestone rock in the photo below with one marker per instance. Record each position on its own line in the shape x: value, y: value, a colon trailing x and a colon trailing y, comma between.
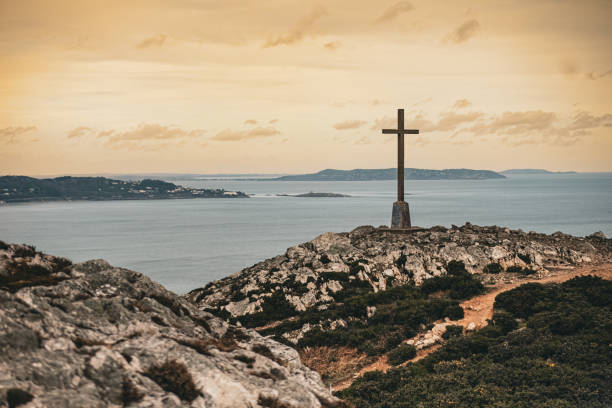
x: 91, y: 335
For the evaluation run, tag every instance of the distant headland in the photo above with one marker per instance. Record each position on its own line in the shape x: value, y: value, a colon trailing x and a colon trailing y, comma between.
x: 534, y: 172
x: 15, y: 189
x: 391, y: 174
x: 315, y: 195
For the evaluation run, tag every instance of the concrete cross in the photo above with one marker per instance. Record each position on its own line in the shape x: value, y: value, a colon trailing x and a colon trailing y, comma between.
x: 401, y: 211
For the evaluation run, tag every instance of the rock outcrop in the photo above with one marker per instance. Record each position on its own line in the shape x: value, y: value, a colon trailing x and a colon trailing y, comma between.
x: 91, y: 335
x: 309, y: 276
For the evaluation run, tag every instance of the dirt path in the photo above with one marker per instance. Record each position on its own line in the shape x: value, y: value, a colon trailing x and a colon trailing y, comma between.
x: 480, y: 308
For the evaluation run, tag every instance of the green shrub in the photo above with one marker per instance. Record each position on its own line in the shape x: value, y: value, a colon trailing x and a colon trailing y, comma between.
x: 452, y: 331
x: 560, y: 359
x: 493, y: 267
x: 402, y: 353
x: 274, y: 307
x: 393, y: 341
x: 338, y: 276
x: 460, y: 283
x: 454, y: 312
x: 514, y: 269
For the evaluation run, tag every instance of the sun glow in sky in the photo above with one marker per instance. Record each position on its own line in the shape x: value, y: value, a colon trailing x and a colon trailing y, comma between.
x: 213, y: 86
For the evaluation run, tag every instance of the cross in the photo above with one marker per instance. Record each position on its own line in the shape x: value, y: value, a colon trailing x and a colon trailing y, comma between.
x: 400, y: 131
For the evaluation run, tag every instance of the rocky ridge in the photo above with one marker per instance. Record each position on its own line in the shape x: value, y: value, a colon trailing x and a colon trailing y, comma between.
x: 311, y: 276
x: 92, y: 335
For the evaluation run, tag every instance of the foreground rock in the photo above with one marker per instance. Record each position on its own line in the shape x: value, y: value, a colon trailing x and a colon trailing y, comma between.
x: 91, y: 335
x: 311, y: 276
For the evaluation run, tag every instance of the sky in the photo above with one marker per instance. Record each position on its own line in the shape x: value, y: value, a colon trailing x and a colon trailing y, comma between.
x: 293, y: 86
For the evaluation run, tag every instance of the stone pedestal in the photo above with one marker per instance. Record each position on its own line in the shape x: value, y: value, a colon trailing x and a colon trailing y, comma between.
x: 400, y: 217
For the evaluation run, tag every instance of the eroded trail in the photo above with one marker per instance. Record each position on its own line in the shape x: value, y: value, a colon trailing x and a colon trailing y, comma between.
x: 480, y: 308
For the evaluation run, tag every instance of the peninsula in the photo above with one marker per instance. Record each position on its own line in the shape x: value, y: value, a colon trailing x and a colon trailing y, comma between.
x: 391, y: 174
x: 15, y: 189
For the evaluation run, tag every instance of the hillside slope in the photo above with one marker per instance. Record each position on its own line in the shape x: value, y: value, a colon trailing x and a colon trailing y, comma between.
x: 545, y: 345
x: 91, y: 335
x: 356, y: 296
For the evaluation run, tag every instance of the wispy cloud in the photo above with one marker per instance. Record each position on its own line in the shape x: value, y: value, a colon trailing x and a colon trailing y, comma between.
x: 250, y: 122
x: 451, y: 120
x: 156, y: 41
x: 297, y: 33
x: 229, y: 135
x: 595, y: 76
x: 349, y: 124
x: 78, y: 132
x: 12, y: 133
x: 513, y: 123
x: 393, y: 11
x: 146, y: 136
x: 332, y: 45
x: 462, y: 33
x: 512, y: 128
x: 462, y: 103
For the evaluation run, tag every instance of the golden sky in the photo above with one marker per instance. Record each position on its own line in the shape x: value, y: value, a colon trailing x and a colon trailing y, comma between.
x: 211, y: 86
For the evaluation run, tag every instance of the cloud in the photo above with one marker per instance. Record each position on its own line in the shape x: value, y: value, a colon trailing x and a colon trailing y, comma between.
x: 595, y: 76
x: 9, y: 134
x: 78, y: 132
x: 332, y: 45
x: 417, y: 122
x: 376, y: 102
x: 539, y: 127
x: 393, y: 11
x: 228, y: 135
x: 585, y: 121
x: 250, y: 122
x: 156, y: 41
x: 462, y: 103
x: 273, y: 121
x: 451, y: 120
x: 297, y: 33
x: 462, y: 33
x: 349, y: 124
x: 512, y: 128
x: 148, y: 136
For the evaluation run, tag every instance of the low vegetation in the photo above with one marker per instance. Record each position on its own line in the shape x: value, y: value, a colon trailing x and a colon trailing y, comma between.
x: 546, y: 346
x: 173, y: 376
x: 401, y: 353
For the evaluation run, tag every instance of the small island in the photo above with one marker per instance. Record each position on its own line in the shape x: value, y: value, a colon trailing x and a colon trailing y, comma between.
x: 20, y: 189
x: 314, y: 195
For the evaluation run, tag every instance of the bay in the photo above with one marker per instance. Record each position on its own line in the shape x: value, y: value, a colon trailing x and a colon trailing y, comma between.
x: 185, y: 244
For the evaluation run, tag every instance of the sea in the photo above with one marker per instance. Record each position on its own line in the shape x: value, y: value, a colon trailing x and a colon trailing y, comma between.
x: 184, y: 244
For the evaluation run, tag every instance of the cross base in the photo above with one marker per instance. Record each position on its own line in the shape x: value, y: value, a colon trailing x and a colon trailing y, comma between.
x: 400, y: 217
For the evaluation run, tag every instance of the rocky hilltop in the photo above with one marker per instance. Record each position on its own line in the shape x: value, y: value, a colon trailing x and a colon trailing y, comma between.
x: 310, y: 274
x: 92, y: 335
x: 345, y: 300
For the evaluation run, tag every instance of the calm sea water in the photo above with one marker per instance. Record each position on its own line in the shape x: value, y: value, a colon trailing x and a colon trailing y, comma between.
x: 186, y: 243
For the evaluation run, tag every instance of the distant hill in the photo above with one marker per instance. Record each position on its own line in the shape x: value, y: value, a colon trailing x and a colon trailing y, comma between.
x: 24, y: 189
x: 534, y: 172
x: 391, y: 174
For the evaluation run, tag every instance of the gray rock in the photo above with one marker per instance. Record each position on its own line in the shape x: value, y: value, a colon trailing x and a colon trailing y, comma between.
x: 598, y: 235
x: 310, y: 275
x: 91, y: 335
